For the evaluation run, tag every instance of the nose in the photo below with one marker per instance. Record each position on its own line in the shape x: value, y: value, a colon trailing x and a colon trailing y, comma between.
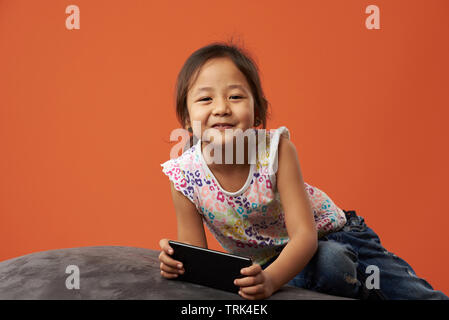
x: 221, y: 107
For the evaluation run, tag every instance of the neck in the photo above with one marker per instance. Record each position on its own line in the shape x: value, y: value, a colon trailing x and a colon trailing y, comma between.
x: 218, y: 158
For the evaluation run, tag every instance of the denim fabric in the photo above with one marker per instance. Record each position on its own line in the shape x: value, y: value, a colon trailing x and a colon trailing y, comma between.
x: 341, y: 267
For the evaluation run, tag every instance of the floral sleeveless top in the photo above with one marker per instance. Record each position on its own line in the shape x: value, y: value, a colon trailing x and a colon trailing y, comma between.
x: 249, y: 222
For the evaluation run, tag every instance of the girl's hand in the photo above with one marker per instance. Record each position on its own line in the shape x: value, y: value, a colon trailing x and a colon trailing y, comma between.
x: 170, y: 268
x: 256, y: 285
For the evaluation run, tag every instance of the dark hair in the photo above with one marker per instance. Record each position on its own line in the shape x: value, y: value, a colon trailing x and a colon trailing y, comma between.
x: 242, y: 60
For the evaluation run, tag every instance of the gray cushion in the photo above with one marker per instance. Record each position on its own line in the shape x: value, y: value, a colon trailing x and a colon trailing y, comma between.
x: 109, y: 272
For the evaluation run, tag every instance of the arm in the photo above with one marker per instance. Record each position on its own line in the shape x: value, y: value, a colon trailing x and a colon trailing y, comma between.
x: 189, y: 221
x: 300, y: 223
x: 190, y: 230
x: 299, y: 218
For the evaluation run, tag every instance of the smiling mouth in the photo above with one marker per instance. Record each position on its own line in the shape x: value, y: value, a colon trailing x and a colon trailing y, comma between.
x: 222, y: 126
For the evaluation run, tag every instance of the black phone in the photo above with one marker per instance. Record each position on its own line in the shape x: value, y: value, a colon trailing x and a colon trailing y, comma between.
x: 209, y: 268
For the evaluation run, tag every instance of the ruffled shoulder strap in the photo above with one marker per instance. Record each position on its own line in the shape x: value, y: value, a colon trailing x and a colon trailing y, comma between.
x: 182, y: 171
x: 275, y: 136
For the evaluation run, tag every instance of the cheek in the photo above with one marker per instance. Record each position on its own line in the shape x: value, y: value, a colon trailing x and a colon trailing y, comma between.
x: 247, y: 114
x: 198, y: 114
x: 250, y: 109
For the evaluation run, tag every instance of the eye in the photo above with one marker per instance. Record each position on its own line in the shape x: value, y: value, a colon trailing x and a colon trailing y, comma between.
x: 205, y: 98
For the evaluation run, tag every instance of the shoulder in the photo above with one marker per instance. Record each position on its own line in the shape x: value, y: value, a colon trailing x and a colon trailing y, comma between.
x: 275, y: 134
x: 286, y: 146
x: 287, y: 155
x: 182, y: 171
x: 289, y: 169
x: 279, y: 148
x: 184, y: 162
x: 274, y: 137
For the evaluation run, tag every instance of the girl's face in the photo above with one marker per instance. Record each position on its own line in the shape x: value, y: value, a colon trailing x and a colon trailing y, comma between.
x: 220, y: 95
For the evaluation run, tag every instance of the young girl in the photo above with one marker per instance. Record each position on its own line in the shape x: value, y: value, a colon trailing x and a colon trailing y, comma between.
x: 261, y: 207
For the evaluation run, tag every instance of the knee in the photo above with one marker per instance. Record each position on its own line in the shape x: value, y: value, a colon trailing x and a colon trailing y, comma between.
x: 332, y: 270
x: 332, y: 251
x: 334, y: 259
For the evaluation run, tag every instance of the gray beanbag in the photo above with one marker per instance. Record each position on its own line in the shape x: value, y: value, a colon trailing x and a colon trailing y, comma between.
x: 108, y: 272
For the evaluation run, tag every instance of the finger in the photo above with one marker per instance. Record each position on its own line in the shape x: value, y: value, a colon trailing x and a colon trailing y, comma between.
x: 248, y: 281
x: 253, y: 290
x: 169, y: 269
x: 249, y: 296
x: 169, y: 275
x: 251, y: 270
x: 165, y: 246
x: 164, y: 258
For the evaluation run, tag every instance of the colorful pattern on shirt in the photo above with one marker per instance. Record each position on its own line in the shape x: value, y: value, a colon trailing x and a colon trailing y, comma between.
x: 249, y: 222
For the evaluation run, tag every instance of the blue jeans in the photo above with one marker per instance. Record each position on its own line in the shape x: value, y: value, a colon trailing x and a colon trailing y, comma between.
x: 353, y: 263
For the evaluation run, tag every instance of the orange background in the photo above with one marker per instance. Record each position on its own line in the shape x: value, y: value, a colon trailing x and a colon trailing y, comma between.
x: 85, y: 115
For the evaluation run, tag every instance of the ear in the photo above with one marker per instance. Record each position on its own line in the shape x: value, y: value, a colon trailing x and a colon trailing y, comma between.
x: 187, y: 123
x: 257, y: 121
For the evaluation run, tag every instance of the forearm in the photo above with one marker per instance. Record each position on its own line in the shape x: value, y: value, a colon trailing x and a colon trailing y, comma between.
x: 292, y: 260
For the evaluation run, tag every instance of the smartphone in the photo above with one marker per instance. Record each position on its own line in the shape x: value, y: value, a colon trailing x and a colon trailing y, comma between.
x: 209, y: 268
